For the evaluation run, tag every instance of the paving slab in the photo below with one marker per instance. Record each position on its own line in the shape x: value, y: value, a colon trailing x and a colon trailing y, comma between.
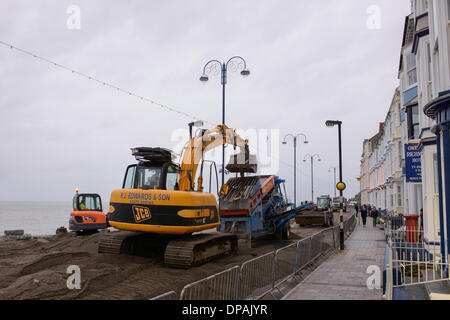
x: 344, y: 276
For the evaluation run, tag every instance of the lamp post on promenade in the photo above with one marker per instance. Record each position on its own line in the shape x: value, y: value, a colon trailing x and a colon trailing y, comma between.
x: 341, y: 185
x: 312, y: 171
x: 295, y: 160
x: 212, y: 67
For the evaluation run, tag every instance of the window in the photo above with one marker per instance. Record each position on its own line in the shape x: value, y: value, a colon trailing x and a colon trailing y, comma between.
x: 149, y: 178
x: 89, y: 203
x: 129, y: 177
x: 171, y: 179
x: 413, y: 122
x: 429, y: 60
x: 411, y: 68
x: 399, y: 196
x: 448, y: 9
x: 435, y: 174
x: 421, y: 6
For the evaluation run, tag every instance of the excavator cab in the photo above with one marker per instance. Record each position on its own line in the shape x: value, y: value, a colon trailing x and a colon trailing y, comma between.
x: 154, y: 170
x: 87, y: 215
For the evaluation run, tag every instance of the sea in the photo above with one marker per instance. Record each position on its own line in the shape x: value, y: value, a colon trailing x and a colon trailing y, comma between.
x: 35, y: 218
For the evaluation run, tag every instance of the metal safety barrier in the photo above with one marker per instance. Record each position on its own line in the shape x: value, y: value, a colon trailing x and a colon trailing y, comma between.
x: 171, y: 295
x: 285, y: 263
x: 259, y: 276
x: 303, y: 253
x: 221, y: 286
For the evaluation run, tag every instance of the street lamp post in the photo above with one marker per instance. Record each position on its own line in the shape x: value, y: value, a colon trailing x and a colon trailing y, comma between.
x: 312, y: 171
x: 295, y: 160
x: 334, y: 184
x: 212, y: 67
x: 341, y: 185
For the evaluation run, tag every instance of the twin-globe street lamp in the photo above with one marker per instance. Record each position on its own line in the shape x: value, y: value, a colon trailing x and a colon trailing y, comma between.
x: 212, y: 67
x: 340, y: 185
x: 295, y: 160
x: 312, y: 171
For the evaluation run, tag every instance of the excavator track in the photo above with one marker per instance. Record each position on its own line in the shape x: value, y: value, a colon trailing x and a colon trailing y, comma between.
x: 113, y: 242
x: 199, y: 249
x: 182, y: 252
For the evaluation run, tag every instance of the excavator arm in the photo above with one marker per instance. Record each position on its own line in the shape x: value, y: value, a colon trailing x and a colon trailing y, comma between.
x: 198, y: 146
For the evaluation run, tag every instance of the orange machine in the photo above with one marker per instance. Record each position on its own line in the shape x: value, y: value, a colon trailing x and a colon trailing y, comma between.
x: 87, y: 215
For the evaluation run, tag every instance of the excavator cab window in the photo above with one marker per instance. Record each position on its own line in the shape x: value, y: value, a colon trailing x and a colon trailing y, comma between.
x: 128, y: 182
x: 171, y: 177
x: 89, y: 202
x: 149, y: 177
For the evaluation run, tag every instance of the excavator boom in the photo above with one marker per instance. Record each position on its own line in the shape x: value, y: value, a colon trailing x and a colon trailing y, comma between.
x: 158, y: 204
x: 210, y: 139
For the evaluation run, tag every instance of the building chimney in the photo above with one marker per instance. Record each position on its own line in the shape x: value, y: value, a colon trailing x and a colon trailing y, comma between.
x: 381, y: 126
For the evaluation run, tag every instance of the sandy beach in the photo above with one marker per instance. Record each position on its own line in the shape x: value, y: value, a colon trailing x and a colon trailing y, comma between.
x: 37, y: 268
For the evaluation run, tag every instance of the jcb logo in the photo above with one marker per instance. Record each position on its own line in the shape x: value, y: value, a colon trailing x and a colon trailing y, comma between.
x: 141, y: 213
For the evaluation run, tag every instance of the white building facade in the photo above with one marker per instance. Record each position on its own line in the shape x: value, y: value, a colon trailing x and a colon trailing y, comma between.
x: 409, y: 160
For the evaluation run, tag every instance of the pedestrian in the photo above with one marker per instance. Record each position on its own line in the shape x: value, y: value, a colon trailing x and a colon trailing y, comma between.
x: 374, y: 216
x: 356, y: 209
x: 364, y: 214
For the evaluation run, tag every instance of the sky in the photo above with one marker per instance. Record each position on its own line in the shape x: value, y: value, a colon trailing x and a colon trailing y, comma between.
x: 310, y: 61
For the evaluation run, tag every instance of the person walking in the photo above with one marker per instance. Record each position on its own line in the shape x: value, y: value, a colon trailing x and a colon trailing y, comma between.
x: 364, y: 214
x: 374, y: 216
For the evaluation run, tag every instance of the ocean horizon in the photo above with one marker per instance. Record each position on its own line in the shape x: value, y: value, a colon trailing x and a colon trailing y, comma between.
x: 34, y: 217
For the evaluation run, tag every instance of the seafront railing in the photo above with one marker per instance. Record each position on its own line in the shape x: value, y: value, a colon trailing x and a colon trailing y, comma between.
x: 411, y: 260
x: 260, y: 276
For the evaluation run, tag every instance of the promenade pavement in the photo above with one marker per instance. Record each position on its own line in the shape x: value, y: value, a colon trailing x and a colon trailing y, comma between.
x: 344, y: 275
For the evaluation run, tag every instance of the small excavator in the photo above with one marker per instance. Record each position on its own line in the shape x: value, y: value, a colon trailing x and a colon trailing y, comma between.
x: 159, y: 208
x: 87, y: 216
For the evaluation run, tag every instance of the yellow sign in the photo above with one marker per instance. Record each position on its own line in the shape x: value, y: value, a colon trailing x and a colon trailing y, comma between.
x: 141, y: 214
x: 341, y: 186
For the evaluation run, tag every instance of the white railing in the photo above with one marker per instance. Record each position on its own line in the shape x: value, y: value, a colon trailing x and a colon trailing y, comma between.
x: 412, y: 261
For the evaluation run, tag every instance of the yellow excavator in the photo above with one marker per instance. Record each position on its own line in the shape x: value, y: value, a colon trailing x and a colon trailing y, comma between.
x: 159, y: 207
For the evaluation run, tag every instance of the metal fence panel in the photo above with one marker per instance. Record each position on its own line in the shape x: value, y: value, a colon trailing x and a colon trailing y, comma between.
x: 349, y: 226
x: 337, y: 234
x: 285, y: 263
x: 303, y: 253
x: 316, y: 242
x: 171, y: 295
x: 327, y: 240
x: 221, y: 286
x: 256, y: 278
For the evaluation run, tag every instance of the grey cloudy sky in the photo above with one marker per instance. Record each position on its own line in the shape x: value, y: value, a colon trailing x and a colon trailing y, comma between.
x: 310, y: 61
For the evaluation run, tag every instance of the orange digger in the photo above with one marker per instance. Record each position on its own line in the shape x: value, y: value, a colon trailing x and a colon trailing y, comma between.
x: 87, y: 216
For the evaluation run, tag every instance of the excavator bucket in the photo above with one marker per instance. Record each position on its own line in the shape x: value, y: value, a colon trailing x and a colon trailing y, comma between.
x: 242, y: 163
